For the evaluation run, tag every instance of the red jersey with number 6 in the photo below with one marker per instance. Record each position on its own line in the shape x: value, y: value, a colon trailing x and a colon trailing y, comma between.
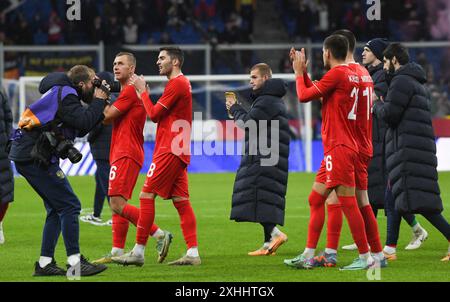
x: 338, y: 89
x: 127, y: 138
x: 364, y: 109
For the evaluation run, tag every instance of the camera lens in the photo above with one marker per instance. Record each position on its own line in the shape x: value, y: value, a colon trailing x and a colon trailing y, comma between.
x: 74, y: 155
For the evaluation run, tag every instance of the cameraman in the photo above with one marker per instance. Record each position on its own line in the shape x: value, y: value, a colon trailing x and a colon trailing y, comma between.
x: 45, y: 175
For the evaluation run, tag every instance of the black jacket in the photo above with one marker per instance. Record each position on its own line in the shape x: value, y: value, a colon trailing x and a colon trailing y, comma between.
x: 6, y: 174
x: 259, y: 190
x: 410, y: 142
x: 377, y: 171
x: 100, y: 141
x: 72, y: 113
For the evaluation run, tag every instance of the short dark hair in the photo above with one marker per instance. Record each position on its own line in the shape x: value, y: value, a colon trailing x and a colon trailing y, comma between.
x: 80, y: 73
x: 131, y: 57
x: 349, y: 36
x: 263, y: 69
x: 174, y: 52
x: 397, y: 50
x: 338, y: 45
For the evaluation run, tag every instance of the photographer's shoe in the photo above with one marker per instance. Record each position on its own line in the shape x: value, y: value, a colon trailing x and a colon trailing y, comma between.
x: 50, y: 269
x: 87, y: 268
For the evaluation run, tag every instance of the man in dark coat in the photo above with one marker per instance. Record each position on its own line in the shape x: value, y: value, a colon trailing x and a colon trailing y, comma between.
x: 99, y: 140
x: 261, y: 180
x: 6, y: 174
x: 372, y: 57
x: 38, y: 162
x: 410, y: 141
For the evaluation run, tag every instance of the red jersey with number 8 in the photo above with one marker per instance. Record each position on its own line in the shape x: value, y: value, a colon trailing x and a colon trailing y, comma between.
x: 338, y: 89
x: 364, y: 109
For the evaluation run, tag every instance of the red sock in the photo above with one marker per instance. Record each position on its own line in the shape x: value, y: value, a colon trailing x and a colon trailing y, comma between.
x: 316, y: 218
x: 119, y: 230
x: 334, y: 225
x: 3, y: 208
x: 145, y: 222
x: 187, y: 222
x: 392, y: 245
x: 355, y: 222
x: 373, y: 237
x: 131, y: 213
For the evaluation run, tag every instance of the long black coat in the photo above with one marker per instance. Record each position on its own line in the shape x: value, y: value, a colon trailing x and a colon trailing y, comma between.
x: 259, y: 191
x: 410, y: 142
x: 6, y: 174
x: 377, y: 171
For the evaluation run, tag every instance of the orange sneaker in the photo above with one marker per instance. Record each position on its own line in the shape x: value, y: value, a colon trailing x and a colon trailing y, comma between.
x: 261, y: 252
x: 390, y: 257
x: 276, y: 242
x: 446, y: 258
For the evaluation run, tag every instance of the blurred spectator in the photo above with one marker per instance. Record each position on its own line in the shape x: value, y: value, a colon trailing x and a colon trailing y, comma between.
x: 23, y: 34
x: 205, y: 9
x: 55, y: 29
x: 246, y: 8
x: 113, y: 35
x: 303, y: 15
x: 130, y: 31
x: 165, y: 39
x: 97, y: 32
x: 355, y: 21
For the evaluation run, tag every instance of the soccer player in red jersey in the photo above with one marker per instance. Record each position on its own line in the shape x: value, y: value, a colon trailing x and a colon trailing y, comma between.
x: 338, y: 90
x: 167, y: 176
x: 126, y: 158
x: 361, y: 115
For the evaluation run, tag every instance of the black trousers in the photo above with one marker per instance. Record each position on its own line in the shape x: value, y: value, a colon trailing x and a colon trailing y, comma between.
x: 101, y: 185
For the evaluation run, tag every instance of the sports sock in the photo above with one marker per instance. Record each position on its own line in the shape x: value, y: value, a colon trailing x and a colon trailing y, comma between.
x: 389, y: 249
x: 355, y: 222
x: 373, y: 237
x: 145, y: 222
x: 188, y: 222
x: 156, y: 232
x: 117, y: 251
x: 73, y: 260
x: 275, y: 232
x: 3, y: 208
x: 316, y: 218
x: 192, y: 252
x: 414, y: 223
x: 330, y: 251
x: 119, y: 230
x: 334, y: 225
x: 44, y: 261
x: 139, y: 250
x: 309, y: 253
x: 131, y: 213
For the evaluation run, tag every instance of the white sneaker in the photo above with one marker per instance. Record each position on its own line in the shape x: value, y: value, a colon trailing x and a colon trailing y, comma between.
x: 109, y: 222
x: 350, y: 247
x: 90, y: 218
x: 418, y: 238
x: 2, y: 236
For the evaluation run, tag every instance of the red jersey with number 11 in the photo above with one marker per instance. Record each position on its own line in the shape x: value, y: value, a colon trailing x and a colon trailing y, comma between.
x: 339, y: 89
x: 364, y: 108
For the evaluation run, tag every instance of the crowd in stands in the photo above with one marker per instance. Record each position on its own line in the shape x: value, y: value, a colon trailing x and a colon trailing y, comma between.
x: 117, y: 22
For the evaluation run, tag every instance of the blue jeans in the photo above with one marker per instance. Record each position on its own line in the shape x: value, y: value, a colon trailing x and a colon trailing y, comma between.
x: 61, y: 204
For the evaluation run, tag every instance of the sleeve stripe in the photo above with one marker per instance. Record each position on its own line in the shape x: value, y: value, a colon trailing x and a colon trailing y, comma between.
x: 163, y: 105
x: 317, y: 88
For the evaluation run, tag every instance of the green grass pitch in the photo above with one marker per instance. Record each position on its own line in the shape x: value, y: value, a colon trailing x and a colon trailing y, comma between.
x: 223, y: 244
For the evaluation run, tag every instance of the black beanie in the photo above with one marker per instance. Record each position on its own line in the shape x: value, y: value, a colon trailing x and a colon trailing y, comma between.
x: 377, y: 46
